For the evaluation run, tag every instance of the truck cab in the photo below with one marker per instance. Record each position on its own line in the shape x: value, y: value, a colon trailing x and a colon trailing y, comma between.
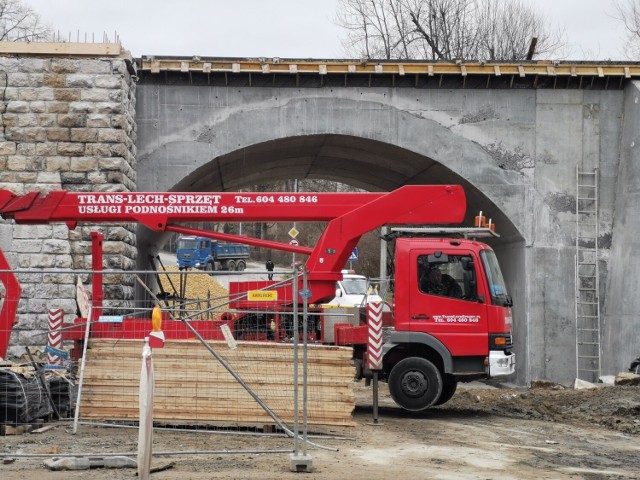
x: 452, y: 320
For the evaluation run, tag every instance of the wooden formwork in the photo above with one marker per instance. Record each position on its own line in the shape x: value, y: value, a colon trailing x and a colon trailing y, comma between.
x: 192, y: 387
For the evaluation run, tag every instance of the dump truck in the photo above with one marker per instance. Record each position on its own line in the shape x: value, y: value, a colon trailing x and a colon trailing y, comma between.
x: 207, y: 254
x: 451, y: 313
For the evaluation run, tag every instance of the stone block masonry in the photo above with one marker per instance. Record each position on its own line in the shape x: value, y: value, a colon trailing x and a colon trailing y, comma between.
x: 66, y: 124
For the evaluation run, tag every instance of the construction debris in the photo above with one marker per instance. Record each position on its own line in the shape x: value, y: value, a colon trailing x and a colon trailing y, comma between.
x: 627, y: 378
x: 86, y: 463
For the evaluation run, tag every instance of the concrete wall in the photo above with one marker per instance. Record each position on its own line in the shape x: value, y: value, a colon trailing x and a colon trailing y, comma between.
x: 515, y: 151
x: 66, y: 124
x: 621, y: 314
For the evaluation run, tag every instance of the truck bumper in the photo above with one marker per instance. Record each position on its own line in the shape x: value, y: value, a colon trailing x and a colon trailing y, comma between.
x: 501, y: 363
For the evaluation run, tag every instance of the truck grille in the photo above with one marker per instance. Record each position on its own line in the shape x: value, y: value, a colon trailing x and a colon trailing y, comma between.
x: 493, y: 345
x: 509, y: 341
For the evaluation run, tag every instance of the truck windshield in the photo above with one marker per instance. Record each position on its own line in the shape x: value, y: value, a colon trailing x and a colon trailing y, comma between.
x: 497, y: 287
x: 190, y: 244
x: 355, y: 286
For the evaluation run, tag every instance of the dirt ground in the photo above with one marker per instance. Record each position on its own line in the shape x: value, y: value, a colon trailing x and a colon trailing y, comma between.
x: 482, y: 433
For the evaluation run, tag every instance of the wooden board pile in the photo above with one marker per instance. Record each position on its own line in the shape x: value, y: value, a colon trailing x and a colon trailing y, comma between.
x: 192, y: 387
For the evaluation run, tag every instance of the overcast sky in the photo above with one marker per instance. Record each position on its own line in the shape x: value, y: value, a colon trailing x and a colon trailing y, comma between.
x: 278, y: 28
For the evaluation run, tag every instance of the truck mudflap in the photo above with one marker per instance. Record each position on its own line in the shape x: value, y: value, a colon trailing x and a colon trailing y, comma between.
x: 501, y: 363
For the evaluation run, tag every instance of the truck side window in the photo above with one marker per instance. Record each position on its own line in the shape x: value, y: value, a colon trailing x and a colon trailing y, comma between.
x: 447, y: 278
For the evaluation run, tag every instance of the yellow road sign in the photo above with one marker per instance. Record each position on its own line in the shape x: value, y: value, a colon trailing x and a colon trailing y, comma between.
x: 262, y: 295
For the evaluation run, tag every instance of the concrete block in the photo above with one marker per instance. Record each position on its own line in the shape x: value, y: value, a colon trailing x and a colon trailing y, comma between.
x: 583, y: 385
x: 300, y: 463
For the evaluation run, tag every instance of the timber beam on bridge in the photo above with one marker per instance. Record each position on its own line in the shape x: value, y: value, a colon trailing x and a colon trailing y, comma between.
x: 470, y: 74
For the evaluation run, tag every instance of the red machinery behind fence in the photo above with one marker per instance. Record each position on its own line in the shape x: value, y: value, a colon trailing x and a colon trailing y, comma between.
x: 451, y: 318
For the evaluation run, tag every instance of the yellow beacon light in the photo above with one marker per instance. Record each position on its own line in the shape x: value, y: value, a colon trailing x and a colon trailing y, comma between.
x: 156, y: 337
x: 156, y: 319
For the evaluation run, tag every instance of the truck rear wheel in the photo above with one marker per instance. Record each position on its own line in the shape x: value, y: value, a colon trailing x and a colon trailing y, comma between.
x: 231, y: 265
x: 240, y: 266
x: 415, y: 384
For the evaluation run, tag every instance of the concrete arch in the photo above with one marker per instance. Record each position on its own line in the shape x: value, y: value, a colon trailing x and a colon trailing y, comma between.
x: 363, y: 163
x: 216, y: 139
x: 367, y: 164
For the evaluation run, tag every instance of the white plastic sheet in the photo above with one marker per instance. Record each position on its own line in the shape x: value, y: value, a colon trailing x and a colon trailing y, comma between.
x: 145, y: 432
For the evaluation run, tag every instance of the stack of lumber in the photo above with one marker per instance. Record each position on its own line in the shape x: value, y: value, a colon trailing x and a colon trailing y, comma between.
x: 192, y: 387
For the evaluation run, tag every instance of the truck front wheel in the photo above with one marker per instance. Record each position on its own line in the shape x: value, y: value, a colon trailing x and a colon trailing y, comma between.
x: 415, y: 384
x: 449, y: 387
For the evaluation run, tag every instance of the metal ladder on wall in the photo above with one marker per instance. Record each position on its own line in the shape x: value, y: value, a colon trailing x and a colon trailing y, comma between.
x: 588, y: 355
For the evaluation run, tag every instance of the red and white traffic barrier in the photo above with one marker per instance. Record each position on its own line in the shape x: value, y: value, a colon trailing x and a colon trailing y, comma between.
x: 55, y: 354
x: 374, y: 345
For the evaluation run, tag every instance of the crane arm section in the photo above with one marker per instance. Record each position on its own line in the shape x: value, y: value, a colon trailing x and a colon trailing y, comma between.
x: 349, y: 215
x: 158, y: 209
x: 408, y: 205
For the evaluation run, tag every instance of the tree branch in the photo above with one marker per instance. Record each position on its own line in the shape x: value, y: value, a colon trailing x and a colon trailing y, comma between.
x: 424, y: 34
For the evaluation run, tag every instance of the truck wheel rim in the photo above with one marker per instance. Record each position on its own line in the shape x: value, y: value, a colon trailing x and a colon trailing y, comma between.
x: 414, y: 384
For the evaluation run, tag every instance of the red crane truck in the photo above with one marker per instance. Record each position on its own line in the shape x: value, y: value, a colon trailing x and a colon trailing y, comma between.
x: 451, y: 318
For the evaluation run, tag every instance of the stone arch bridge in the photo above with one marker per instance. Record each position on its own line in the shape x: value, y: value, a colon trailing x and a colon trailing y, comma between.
x: 511, y: 134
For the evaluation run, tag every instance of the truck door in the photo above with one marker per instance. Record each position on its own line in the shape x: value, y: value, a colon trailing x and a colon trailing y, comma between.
x: 204, y: 250
x: 446, y: 301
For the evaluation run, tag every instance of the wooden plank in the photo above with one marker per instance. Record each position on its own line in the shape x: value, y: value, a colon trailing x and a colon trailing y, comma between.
x: 210, y: 360
x: 224, y: 422
x: 176, y: 372
x: 207, y: 411
x: 46, y: 428
x: 218, y: 414
x: 242, y: 413
x: 15, y: 429
x: 213, y: 393
x: 190, y: 347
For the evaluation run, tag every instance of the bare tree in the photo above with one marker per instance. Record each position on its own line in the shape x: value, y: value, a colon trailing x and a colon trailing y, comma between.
x: 20, y: 23
x: 444, y: 29
x: 375, y: 28
x: 508, y: 26
x: 628, y: 12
